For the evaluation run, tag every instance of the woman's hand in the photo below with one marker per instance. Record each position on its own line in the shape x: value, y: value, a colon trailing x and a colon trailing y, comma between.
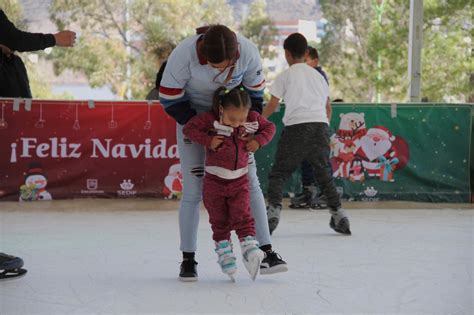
x: 216, y: 142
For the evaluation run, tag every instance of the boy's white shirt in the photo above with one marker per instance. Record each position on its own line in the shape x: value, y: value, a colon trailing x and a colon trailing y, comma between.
x: 305, y: 93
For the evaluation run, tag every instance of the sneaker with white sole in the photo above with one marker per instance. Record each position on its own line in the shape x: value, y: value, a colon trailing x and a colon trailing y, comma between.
x: 272, y: 263
x: 188, y: 271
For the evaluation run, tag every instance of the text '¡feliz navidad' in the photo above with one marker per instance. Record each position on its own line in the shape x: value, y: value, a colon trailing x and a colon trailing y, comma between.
x: 101, y: 148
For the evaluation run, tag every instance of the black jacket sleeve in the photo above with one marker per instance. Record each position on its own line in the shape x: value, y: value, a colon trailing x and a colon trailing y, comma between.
x: 18, y: 40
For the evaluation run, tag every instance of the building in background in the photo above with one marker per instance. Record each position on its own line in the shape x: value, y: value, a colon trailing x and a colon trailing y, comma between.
x: 303, y: 16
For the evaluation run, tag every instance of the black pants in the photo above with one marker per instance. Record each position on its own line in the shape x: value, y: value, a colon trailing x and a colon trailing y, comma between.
x: 309, y: 141
x: 307, y: 174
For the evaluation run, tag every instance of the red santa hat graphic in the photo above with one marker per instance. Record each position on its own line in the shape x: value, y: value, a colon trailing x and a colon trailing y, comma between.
x: 385, y: 130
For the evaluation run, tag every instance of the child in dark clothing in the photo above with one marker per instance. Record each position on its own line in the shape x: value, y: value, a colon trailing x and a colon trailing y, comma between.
x: 229, y: 132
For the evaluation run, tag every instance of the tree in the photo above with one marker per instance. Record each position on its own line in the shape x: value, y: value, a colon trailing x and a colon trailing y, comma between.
x: 447, y: 63
x: 14, y: 11
x: 139, y: 34
x: 365, y: 49
x: 260, y: 29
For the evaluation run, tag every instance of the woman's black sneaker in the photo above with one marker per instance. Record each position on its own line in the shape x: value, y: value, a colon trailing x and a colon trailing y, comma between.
x: 272, y: 263
x: 188, y: 271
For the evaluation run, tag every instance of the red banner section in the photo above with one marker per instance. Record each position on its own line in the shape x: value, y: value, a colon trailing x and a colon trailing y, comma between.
x: 73, y: 149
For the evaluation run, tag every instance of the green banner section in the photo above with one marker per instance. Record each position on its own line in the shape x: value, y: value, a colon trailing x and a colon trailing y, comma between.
x: 472, y: 155
x: 416, y: 152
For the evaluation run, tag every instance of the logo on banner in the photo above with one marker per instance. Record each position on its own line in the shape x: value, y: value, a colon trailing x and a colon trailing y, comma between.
x: 127, y: 185
x: 370, y: 193
x: 92, y: 185
x: 127, y: 189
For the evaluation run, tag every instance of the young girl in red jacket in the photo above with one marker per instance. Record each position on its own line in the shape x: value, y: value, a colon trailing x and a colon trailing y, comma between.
x: 229, y: 132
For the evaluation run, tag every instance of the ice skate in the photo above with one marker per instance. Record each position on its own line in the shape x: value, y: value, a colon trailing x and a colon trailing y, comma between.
x: 339, y: 221
x: 273, y: 213
x: 305, y: 199
x: 11, y: 267
x: 226, y: 258
x: 319, y: 202
x: 252, y: 255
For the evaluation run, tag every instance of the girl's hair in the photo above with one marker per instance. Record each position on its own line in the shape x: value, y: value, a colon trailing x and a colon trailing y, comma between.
x: 219, y: 43
x: 236, y: 97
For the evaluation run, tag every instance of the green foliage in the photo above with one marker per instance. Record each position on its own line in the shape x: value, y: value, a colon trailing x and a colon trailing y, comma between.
x: 447, y: 63
x: 14, y: 11
x: 260, y: 29
x: 40, y: 88
x: 365, y: 50
x: 155, y: 28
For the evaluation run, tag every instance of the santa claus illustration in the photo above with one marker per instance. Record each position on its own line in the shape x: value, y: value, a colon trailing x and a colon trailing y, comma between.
x: 173, y: 182
x: 377, y: 152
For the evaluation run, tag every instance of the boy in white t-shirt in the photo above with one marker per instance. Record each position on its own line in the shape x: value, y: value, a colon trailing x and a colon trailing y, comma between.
x: 306, y: 132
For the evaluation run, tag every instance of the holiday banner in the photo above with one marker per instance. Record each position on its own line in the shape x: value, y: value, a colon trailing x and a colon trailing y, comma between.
x: 73, y: 149
x: 418, y: 152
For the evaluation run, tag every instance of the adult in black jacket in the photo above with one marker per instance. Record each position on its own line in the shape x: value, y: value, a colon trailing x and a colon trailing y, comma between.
x: 14, y: 83
x: 13, y: 77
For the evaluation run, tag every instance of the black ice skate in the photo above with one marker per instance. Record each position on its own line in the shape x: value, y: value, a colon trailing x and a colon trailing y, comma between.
x: 302, y: 200
x: 10, y: 267
x: 340, y: 222
x: 310, y: 197
x: 320, y: 202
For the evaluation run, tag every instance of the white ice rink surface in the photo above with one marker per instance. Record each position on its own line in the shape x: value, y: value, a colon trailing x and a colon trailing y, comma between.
x: 122, y: 257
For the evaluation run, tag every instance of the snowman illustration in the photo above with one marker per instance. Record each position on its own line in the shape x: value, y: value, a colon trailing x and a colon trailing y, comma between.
x: 35, y: 184
x: 173, y: 183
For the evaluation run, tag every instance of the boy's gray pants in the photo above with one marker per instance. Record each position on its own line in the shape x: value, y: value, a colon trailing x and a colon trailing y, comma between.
x: 307, y: 141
